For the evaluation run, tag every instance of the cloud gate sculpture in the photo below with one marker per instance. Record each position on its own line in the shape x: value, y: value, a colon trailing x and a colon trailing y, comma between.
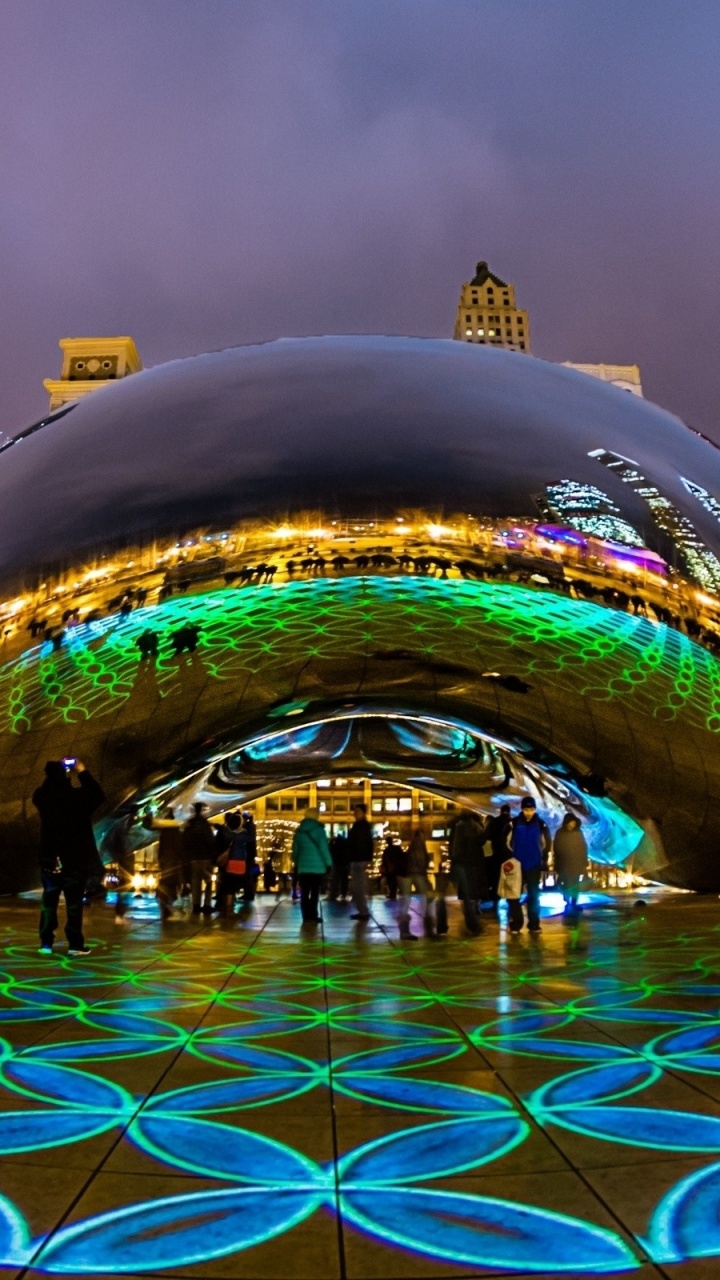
x: 463, y: 568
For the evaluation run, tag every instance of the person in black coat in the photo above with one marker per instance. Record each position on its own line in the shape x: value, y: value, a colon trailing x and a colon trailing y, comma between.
x: 340, y: 880
x: 497, y: 832
x: 68, y: 852
x: 467, y: 865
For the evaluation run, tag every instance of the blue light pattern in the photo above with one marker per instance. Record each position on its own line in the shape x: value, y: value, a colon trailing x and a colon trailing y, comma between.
x: 609, y: 1026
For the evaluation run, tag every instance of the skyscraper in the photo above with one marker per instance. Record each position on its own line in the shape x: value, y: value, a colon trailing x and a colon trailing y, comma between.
x: 588, y: 509
x: 704, y: 498
x: 699, y: 561
x: 487, y: 313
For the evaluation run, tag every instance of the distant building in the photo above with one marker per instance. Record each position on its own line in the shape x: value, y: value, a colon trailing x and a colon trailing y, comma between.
x: 700, y: 562
x: 487, y: 313
x: 88, y: 363
x: 625, y: 376
x: 704, y: 498
x: 588, y: 509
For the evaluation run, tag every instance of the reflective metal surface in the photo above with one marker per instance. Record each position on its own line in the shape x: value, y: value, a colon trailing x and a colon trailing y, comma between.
x: 348, y: 425
x: 364, y: 427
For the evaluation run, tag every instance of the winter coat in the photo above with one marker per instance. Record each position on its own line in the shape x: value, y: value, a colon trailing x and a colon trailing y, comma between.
x: 570, y: 855
x: 360, y: 841
x: 417, y: 856
x: 170, y: 843
x: 339, y: 852
x: 198, y: 840
x: 394, y: 860
x: 311, y: 851
x: 66, y: 831
x: 497, y: 831
x: 466, y: 842
x: 529, y: 841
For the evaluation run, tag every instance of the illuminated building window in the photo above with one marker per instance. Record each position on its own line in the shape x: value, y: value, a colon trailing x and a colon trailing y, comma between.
x: 704, y: 498
x: 477, y: 291
x: 588, y: 509
x: 701, y: 564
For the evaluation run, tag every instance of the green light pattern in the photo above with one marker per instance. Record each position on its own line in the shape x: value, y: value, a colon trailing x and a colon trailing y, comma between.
x: 571, y: 645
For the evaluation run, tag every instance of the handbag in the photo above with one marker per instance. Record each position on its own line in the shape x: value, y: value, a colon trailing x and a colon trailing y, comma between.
x: 510, y: 883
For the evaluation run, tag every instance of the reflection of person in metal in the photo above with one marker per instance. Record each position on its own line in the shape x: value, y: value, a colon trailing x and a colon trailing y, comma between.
x: 185, y: 638
x: 467, y: 749
x: 68, y: 852
x: 147, y: 643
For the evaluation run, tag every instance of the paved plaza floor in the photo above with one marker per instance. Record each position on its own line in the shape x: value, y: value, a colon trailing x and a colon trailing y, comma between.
x: 251, y: 1098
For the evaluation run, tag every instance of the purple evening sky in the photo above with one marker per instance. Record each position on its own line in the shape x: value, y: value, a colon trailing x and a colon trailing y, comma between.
x: 206, y: 173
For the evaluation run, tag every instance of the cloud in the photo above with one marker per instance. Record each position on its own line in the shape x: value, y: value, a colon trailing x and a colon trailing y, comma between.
x: 206, y: 174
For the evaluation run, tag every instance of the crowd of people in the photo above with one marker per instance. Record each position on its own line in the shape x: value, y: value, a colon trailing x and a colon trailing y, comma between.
x: 503, y: 857
x: 216, y: 864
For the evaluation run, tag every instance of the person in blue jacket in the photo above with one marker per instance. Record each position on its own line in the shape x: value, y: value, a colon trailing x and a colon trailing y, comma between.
x: 529, y: 842
x: 311, y: 855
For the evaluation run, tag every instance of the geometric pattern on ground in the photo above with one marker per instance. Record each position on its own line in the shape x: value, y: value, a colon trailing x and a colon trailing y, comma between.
x: 232, y: 1098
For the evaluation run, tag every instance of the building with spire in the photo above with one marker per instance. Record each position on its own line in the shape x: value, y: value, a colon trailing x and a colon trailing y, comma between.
x: 487, y: 313
x: 88, y: 363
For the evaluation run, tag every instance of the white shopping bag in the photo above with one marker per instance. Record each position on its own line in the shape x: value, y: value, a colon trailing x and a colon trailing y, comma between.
x: 510, y: 885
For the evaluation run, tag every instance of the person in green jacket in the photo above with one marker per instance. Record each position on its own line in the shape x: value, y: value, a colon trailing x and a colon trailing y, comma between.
x: 311, y: 855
